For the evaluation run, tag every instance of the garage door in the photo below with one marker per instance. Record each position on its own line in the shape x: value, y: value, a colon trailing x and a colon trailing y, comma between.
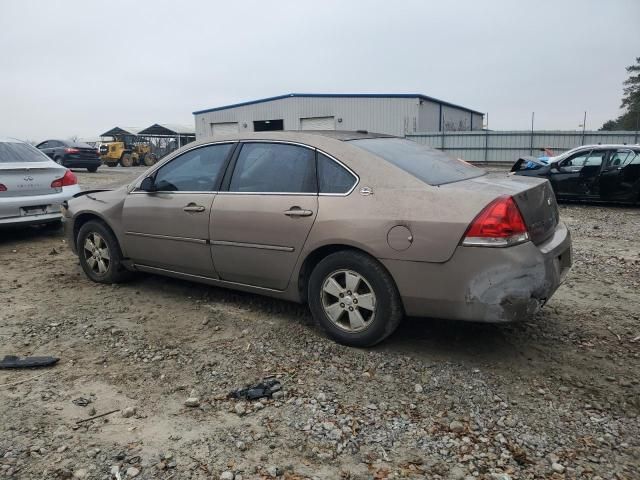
x: 224, y: 128
x: 318, y: 123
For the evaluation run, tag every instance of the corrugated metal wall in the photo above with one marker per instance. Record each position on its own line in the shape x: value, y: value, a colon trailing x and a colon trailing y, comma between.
x: 395, y: 116
x: 509, y: 146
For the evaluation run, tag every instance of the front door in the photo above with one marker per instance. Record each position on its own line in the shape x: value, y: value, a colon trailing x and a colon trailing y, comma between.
x: 621, y: 175
x: 261, y: 222
x: 577, y: 175
x: 169, y: 227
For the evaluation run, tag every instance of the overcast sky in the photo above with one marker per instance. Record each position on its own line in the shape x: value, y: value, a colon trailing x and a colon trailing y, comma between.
x: 81, y: 67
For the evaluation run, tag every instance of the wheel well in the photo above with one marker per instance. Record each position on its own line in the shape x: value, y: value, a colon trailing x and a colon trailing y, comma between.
x: 313, y: 259
x: 84, y: 218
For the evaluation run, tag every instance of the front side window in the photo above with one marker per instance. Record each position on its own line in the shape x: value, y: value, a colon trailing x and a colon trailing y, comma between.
x: 274, y: 168
x: 333, y: 177
x: 197, y: 170
x: 576, y: 161
x: 431, y: 166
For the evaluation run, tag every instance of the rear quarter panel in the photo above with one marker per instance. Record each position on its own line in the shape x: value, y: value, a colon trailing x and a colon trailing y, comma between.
x: 436, y: 218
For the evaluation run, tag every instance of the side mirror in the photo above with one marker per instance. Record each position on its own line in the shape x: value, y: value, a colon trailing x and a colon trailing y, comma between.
x: 148, y: 185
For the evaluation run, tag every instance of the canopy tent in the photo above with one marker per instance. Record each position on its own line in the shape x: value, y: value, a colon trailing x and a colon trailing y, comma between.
x: 119, y: 131
x: 168, y: 130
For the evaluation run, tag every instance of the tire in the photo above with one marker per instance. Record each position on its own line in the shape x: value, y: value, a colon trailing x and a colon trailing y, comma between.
x: 59, y: 161
x: 92, y: 169
x: 112, y: 164
x: 126, y: 160
x: 102, y: 269
x: 149, y: 159
x: 378, y: 323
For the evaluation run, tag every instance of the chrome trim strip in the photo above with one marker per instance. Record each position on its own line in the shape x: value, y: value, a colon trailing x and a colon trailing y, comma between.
x: 202, y: 277
x: 168, y: 237
x: 165, y: 161
x: 142, y: 192
x: 252, y: 245
x: 306, y: 194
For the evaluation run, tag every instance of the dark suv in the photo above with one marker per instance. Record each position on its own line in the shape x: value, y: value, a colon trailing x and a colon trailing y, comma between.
x: 71, y: 154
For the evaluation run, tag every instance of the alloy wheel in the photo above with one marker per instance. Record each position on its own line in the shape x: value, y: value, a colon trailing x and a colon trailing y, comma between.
x: 348, y: 300
x: 96, y: 253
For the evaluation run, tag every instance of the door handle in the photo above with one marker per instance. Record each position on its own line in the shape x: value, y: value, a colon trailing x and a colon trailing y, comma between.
x: 298, y: 212
x: 194, y: 208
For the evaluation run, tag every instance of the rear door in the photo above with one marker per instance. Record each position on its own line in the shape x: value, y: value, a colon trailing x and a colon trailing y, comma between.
x: 620, y: 177
x: 169, y: 228
x: 260, y: 224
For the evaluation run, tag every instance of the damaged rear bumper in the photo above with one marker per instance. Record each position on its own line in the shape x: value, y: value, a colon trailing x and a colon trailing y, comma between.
x: 485, y: 284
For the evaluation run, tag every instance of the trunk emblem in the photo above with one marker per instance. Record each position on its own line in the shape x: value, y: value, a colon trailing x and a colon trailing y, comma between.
x: 548, y: 201
x: 28, y: 178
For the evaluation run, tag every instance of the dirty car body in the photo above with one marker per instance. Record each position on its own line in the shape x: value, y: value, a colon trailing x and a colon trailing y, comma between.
x: 597, y: 173
x: 365, y: 228
x: 32, y: 186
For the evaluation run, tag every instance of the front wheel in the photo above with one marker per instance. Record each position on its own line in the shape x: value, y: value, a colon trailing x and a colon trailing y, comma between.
x: 354, y: 299
x: 59, y: 161
x: 92, y: 169
x: 99, y: 253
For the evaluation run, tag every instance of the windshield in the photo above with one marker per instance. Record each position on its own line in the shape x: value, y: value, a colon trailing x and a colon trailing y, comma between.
x: 431, y: 166
x: 20, y: 152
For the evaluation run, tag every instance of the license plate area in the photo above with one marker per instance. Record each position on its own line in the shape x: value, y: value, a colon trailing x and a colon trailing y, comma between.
x: 33, y: 210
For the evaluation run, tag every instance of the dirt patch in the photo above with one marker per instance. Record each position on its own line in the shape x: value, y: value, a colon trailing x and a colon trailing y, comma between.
x: 557, y: 397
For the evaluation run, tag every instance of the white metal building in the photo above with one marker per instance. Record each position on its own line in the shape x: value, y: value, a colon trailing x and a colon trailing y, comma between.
x: 395, y: 114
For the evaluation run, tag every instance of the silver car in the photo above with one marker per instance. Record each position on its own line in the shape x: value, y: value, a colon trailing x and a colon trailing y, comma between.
x: 32, y: 186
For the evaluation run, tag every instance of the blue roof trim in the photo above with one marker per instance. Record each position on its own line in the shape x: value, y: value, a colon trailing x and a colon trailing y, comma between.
x: 340, y: 95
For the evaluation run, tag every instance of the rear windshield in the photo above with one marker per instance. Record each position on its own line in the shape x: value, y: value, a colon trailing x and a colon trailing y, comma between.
x: 431, y: 166
x: 20, y: 152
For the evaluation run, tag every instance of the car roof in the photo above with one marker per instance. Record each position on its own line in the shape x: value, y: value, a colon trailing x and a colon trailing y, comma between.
x: 346, y: 135
x: 607, y: 145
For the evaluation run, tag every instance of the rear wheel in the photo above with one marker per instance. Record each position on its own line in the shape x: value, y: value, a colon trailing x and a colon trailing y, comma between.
x: 149, y: 159
x: 112, y: 164
x: 354, y: 299
x: 126, y: 160
x: 99, y: 253
x: 59, y: 161
x: 92, y: 169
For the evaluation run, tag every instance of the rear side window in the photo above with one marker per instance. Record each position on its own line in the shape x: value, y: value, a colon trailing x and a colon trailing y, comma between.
x: 20, y: 152
x: 429, y: 165
x: 333, y: 177
x: 274, y: 168
x: 197, y: 170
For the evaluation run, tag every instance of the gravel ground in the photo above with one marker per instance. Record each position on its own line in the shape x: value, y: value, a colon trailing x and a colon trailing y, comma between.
x: 556, y: 397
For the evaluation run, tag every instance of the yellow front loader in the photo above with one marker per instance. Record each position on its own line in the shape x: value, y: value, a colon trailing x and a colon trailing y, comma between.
x: 126, y: 154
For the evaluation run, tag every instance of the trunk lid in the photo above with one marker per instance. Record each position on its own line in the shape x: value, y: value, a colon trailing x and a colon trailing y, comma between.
x: 534, y: 197
x: 29, y: 178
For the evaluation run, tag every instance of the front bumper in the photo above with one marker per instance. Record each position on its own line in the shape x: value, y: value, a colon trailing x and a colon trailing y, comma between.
x: 485, y: 284
x: 13, y: 210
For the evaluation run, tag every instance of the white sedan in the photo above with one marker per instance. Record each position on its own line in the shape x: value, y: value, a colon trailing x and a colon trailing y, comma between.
x: 32, y: 186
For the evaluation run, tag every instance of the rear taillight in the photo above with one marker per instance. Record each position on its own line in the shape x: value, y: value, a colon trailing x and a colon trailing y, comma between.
x: 2, y: 188
x: 69, y: 178
x: 500, y: 224
x: 71, y: 150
